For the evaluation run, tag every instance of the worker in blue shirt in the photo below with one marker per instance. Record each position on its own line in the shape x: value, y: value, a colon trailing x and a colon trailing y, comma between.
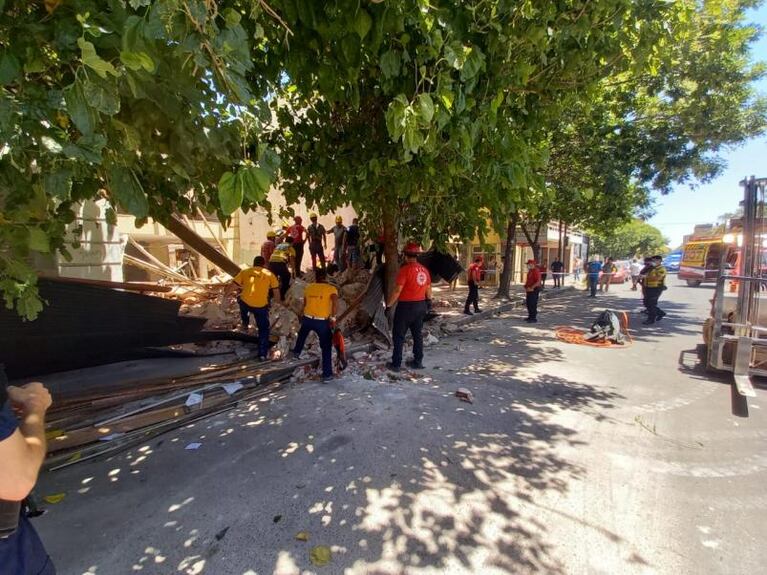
x: 593, y: 269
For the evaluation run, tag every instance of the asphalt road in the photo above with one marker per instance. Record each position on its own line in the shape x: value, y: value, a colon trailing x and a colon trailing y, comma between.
x: 570, y: 460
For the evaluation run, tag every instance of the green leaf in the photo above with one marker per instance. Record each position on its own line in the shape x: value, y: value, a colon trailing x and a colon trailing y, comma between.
x: 425, y: 107
x: 9, y: 68
x: 136, y: 4
x: 58, y: 184
x: 390, y: 64
x: 83, y: 116
x: 102, y: 95
x: 87, y: 148
x: 232, y: 17
x: 255, y: 183
x: 137, y: 61
x: 412, y: 138
x: 127, y: 190
x: 37, y: 240
x: 497, y: 101
x: 91, y: 59
x: 350, y: 51
x: 362, y: 23
x: 230, y: 193
x: 446, y: 97
x: 395, y: 117
x: 475, y: 61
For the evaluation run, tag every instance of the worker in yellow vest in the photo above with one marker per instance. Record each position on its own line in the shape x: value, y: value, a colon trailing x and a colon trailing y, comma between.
x: 257, y: 284
x: 654, y: 284
x: 320, y: 307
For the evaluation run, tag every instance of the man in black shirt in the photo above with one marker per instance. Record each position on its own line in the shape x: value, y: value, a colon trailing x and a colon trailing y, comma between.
x: 353, y: 245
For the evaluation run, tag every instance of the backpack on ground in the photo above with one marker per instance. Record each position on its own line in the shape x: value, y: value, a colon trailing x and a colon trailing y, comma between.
x: 607, y: 327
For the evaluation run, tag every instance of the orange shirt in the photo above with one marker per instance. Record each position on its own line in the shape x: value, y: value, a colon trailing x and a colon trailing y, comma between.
x: 415, y: 280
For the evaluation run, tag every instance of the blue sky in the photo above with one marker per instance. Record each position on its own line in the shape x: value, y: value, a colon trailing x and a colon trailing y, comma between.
x: 679, y: 211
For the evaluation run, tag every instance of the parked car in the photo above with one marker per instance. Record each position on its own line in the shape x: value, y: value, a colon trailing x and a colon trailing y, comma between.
x: 623, y: 273
x: 672, y: 261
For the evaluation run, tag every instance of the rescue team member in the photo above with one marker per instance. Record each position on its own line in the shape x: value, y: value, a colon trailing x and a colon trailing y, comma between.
x: 319, y: 312
x: 257, y: 283
x: 353, y: 245
x: 298, y: 232
x: 642, y: 276
x: 283, y: 256
x: 318, y: 241
x: 593, y: 268
x: 411, y: 292
x: 557, y: 271
x: 654, y: 284
x: 22, y: 450
x: 267, y: 248
x: 473, y: 274
x: 532, y: 290
x: 339, y: 235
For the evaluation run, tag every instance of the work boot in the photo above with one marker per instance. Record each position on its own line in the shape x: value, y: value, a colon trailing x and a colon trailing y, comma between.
x: 327, y: 379
x: 648, y: 322
x: 467, y: 312
x: 391, y: 367
x: 477, y: 310
x: 531, y: 320
x: 411, y: 363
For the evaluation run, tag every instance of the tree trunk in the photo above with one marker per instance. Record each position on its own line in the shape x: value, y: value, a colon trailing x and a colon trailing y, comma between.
x: 508, y: 258
x: 533, y: 240
x: 198, y: 244
x: 560, y: 243
x: 391, y: 254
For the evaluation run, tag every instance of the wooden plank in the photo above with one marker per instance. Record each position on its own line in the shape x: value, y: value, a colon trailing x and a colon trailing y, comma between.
x: 202, y: 247
x: 132, y: 286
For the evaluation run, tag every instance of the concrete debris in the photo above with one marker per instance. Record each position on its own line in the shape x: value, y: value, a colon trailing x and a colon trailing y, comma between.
x: 430, y: 339
x: 352, y: 291
x: 294, y: 299
x: 360, y: 356
x: 464, y: 395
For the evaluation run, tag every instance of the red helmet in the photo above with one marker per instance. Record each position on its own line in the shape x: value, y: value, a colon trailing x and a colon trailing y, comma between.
x: 412, y: 248
x: 531, y: 262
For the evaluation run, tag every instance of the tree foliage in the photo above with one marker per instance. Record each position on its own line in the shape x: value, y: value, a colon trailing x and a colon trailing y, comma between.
x: 632, y: 239
x: 145, y: 104
x: 431, y: 118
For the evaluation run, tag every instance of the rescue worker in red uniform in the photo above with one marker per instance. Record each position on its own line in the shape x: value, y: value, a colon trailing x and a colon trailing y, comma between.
x: 411, y: 292
x: 533, y: 285
x: 474, y: 273
x: 267, y: 248
x: 298, y: 232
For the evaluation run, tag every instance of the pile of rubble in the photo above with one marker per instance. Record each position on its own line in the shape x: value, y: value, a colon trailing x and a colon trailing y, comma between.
x: 222, y: 311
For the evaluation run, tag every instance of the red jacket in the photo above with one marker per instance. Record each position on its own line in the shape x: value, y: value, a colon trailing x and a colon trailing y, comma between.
x: 533, y: 277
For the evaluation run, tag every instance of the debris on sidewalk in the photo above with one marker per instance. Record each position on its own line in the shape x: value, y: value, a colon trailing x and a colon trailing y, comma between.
x: 465, y: 395
x: 320, y: 555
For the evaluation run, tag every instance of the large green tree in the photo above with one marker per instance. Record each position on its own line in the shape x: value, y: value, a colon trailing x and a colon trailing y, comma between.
x: 147, y: 104
x: 635, y: 238
x: 437, y: 107
x: 650, y: 127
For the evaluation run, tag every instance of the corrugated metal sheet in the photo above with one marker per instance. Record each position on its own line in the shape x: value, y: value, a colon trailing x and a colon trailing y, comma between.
x: 88, y: 325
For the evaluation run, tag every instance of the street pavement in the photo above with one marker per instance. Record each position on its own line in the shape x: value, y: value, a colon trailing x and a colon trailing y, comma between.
x: 571, y: 459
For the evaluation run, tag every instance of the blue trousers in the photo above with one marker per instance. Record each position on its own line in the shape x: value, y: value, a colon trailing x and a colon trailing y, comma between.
x: 322, y: 328
x: 593, y: 281
x: 262, y: 323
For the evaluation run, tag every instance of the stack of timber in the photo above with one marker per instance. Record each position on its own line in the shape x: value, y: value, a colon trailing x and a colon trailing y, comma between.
x: 116, y: 417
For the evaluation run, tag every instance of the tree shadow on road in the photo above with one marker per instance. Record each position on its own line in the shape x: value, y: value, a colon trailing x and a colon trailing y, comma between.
x: 395, y: 477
